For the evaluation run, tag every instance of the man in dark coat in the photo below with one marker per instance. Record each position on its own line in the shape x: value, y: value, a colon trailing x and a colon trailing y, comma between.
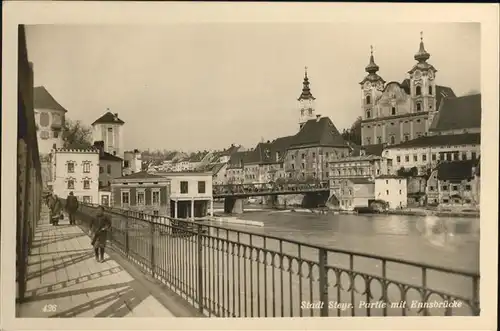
x: 101, y: 225
x: 71, y: 207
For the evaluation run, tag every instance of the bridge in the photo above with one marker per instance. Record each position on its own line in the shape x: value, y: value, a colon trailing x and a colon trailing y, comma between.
x: 234, y: 194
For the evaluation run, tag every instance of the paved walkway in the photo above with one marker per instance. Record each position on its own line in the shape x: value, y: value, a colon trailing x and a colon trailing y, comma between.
x: 65, y: 280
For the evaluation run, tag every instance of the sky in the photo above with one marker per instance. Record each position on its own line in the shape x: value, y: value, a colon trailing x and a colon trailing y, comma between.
x: 206, y: 86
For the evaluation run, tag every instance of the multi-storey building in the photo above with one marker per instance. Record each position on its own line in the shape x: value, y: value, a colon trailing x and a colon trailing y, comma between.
x: 110, y: 166
x: 132, y: 162
x: 359, y: 166
x: 392, y: 190
x: 396, y: 112
x: 454, y: 183
x: 49, y: 119
x: 142, y: 192
x: 109, y: 128
x: 425, y: 153
x: 77, y: 171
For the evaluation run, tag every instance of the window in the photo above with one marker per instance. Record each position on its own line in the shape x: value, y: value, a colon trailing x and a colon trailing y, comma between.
x: 368, y: 140
x: 44, y: 119
x: 71, y: 167
x: 86, y: 184
x: 407, y: 137
x: 393, y: 111
x: 368, y: 114
x: 418, y: 90
x: 87, y: 199
x: 445, y: 187
x: 368, y: 99
x: 293, y: 166
x: 393, y: 140
x: 473, y: 155
x: 387, y: 181
x: 464, y: 155
x: 445, y: 200
x: 419, y: 106
x: 467, y: 187
x: 303, y: 156
x: 441, y: 156
x: 314, y: 155
x: 448, y: 157
x: 302, y: 166
x: 456, y: 156
x: 387, y: 192
x: 455, y: 188
x: 126, y: 164
x: 71, y: 184
x: 407, y: 158
x: 184, y: 187
x: 110, y: 129
x: 108, y: 168
x: 327, y: 174
x: 201, y: 187
x: 468, y: 201
x: 100, y: 183
x: 424, y: 157
x: 101, y: 170
x: 155, y: 197
x: 431, y: 188
x: 379, y: 140
x: 125, y: 198
x: 433, y: 157
x: 430, y: 90
x: 398, y: 159
x: 156, y: 213
x: 140, y: 198
x: 415, y: 158
x: 326, y: 154
x: 86, y: 167
x: 56, y: 134
x: 400, y: 192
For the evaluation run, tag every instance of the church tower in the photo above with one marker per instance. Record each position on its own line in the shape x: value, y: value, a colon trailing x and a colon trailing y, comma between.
x: 422, y: 83
x: 306, y: 103
x: 371, y: 88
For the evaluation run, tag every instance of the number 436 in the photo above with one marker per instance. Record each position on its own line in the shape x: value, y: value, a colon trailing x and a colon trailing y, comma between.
x: 49, y: 308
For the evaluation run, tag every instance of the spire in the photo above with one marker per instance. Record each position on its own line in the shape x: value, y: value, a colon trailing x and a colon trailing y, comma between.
x: 372, y: 67
x: 306, y: 90
x: 422, y: 54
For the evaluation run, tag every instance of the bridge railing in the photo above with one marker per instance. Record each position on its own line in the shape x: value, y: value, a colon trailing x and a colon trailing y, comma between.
x: 230, y: 273
x: 231, y: 189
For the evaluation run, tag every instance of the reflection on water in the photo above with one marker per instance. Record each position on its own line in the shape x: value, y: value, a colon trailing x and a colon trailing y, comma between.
x: 448, y: 242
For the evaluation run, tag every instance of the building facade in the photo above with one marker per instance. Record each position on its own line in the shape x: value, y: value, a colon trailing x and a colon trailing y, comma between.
x: 110, y: 166
x: 426, y: 153
x: 132, y: 162
x: 359, y: 167
x: 109, y: 128
x: 49, y: 119
x: 351, y: 193
x: 191, y: 194
x: 393, y: 190
x: 77, y: 171
x: 396, y: 112
x: 142, y: 192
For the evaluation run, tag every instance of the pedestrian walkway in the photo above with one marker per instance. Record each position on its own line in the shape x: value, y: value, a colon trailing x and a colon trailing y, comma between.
x: 65, y: 280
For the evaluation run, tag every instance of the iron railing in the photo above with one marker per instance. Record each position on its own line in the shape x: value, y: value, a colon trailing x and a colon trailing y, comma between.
x: 230, y: 273
x: 259, y: 189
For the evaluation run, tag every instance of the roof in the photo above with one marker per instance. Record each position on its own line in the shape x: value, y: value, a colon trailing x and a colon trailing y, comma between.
x: 197, y: 157
x: 458, y: 113
x: 361, y: 180
x: 215, y: 168
x: 42, y: 99
x: 110, y: 157
x: 443, y: 92
x: 375, y: 149
x: 390, y: 177
x: 441, y: 140
x: 357, y: 158
x: 140, y: 175
x: 455, y: 170
x: 108, y: 118
x: 318, y: 132
x: 228, y: 152
x: 237, y: 159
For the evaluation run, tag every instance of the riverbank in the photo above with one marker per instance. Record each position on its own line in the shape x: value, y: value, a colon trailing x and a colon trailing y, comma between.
x: 432, y: 212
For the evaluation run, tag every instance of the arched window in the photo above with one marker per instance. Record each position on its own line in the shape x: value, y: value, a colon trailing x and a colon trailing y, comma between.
x: 393, y: 111
x: 430, y: 90
x: 418, y: 90
x: 368, y: 99
x: 393, y: 140
x: 419, y: 106
x: 368, y: 114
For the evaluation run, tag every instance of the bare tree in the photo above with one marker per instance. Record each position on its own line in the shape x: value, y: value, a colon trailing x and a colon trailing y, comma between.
x: 77, y: 135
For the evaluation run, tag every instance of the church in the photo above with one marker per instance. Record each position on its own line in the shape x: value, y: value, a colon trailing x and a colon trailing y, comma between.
x: 395, y: 112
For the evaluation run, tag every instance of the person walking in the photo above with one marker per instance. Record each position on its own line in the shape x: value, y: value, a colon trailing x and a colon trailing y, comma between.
x: 101, y: 225
x: 56, y: 210
x: 71, y: 207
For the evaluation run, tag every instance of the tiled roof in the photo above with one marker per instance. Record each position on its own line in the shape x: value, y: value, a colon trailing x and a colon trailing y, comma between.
x: 42, y: 99
x: 441, y: 140
x: 455, y: 170
x: 280, y: 145
x: 458, y: 113
x: 232, y: 149
x: 108, y: 118
x: 375, y: 149
x: 110, y: 157
x: 443, y: 92
x: 140, y: 175
x: 318, y: 132
x: 237, y: 159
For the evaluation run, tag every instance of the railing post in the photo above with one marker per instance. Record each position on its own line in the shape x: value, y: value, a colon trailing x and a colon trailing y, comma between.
x: 323, y: 281
x: 126, y: 237
x: 152, y: 259
x: 200, y: 269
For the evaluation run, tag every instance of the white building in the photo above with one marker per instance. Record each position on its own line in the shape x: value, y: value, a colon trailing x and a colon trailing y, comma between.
x: 49, y: 119
x: 77, y: 171
x: 426, y: 152
x: 391, y: 189
x: 132, y: 162
x: 110, y: 129
x: 191, y: 193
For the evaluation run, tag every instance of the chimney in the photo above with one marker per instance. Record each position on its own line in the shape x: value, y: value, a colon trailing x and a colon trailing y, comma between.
x: 318, y: 117
x: 100, y: 146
